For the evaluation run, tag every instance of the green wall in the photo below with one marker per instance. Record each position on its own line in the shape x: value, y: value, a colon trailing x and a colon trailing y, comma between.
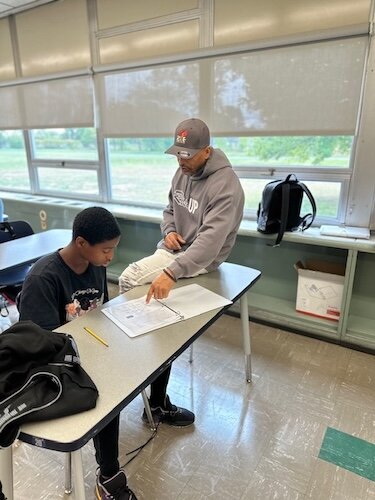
x: 139, y: 238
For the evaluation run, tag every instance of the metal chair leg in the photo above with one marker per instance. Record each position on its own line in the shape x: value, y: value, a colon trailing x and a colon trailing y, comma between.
x: 246, y: 335
x: 191, y: 354
x: 148, y: 411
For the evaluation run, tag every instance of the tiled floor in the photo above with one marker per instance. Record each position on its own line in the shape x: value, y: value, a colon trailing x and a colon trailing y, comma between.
x: 254, y: 441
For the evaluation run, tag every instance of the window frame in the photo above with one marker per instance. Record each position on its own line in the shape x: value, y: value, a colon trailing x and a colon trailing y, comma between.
x: 36, y: 163
x: 303, y: 174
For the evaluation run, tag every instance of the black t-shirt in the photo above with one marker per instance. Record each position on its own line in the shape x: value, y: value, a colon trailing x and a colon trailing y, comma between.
x: 53, y: 294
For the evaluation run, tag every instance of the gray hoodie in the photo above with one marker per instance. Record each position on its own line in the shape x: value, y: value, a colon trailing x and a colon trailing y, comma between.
x: 206, y: 210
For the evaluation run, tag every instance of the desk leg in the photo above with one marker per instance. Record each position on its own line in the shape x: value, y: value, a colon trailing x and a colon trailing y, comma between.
x: 79, y: 484
x: 68, y: 473
x: 246, y: 334
x: 6, y: 471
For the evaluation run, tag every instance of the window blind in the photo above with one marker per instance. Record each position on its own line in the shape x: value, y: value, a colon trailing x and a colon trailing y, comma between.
x: 10, y: 113
x: 305, y: 89
x: 66, y: 102
x: 148, y: 101
x: 311, y: 89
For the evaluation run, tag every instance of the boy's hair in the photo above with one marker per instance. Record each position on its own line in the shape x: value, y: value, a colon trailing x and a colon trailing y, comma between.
x: 95, y: 225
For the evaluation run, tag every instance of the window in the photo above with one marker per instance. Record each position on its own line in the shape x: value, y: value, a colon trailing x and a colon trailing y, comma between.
x: 65, y: 144
x: 258, y: 160
x: 66, y: 161
x: 140, y: 172
x: 68, y: 181
x: 316, y: 152
x: 274, y: 110
x: 13, y: 162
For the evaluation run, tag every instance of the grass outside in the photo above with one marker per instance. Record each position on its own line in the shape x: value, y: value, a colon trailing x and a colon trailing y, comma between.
x: 140, y: 178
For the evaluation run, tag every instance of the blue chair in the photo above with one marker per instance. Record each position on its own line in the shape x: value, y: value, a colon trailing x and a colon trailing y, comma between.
x: 13, y: 230
x: 11, y: 281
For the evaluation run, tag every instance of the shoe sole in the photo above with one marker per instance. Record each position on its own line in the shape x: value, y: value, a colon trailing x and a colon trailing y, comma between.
x: 172, y: 424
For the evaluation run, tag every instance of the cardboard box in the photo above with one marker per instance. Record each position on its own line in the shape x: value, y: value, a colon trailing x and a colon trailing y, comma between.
x: 320, y: 288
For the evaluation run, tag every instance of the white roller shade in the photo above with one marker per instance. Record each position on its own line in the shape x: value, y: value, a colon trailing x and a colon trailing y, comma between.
x: 312, y: 88
x: 67, y: 102
x: 305, y: 89
x: 10, y: 114
x: 148, y: 101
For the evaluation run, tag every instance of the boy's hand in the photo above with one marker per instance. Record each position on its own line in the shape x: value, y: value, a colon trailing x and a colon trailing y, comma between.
x: 160, y: 287
x: 173, y: 241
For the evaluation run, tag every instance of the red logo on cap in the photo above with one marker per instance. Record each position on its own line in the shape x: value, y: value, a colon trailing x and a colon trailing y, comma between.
x: 181, y: 137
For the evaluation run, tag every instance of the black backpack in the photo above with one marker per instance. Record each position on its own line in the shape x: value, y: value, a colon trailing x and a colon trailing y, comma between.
x: 279, y: 210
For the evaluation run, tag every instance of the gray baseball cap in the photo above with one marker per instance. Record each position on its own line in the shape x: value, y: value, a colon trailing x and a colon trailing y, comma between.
x: 190, y: 137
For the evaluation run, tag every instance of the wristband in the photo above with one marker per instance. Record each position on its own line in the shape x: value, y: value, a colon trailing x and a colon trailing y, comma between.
x: 170, y: 275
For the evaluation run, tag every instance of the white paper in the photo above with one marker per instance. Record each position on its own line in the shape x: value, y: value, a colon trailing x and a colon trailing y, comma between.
x: 135, y: 317
x: 192, y: 300
x: 345, y: 231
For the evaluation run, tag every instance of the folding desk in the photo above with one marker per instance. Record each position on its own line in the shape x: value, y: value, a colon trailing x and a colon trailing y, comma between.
x: 30, y: 248
x: 125, y: 368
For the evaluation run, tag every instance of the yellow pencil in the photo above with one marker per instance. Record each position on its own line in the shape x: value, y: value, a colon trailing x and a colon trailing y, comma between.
x: 95, y: 336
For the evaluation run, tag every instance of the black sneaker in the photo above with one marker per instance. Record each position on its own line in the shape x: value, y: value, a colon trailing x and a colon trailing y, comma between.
x: 170, y: 414
x: 114, y: 488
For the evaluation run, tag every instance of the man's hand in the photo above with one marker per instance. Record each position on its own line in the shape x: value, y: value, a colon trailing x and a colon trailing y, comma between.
x: 173, y: 241
x: 160, y: 287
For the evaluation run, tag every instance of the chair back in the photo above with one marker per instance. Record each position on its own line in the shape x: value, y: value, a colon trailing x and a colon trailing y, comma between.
x: 15, y: 229
x: 12, y: 280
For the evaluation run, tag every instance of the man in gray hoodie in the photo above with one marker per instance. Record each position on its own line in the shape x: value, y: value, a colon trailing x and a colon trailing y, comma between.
x: 199, y: 228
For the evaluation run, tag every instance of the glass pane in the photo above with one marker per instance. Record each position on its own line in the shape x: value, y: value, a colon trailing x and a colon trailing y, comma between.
x: 140, y: 171
x: 65, y: 144
x: 253, y: 189
x: 13, y: 162
x: 305, y: 151
x: 68, y: 180
x: 326, y: 194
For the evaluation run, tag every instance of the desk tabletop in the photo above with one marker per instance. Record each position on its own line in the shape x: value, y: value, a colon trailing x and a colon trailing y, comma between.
x: 122, y: 370
x: 30, y: 248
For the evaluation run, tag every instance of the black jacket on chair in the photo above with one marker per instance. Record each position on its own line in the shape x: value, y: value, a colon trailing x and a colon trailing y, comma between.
x: 40, y: 378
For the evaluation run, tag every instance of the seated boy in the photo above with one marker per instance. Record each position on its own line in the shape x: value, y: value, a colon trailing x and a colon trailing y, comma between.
x: 65, y: 285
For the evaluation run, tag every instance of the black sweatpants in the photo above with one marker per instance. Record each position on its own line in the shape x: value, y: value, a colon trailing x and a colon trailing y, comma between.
x: 106, y: 441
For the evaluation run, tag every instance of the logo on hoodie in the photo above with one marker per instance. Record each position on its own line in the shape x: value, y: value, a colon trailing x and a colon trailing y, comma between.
x: 180, y: 199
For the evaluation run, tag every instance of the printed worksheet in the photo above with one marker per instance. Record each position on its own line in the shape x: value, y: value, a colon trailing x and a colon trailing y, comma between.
x: 135, y: 317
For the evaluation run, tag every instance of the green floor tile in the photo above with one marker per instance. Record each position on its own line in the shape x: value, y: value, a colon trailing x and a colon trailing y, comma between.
x: 349, y: 452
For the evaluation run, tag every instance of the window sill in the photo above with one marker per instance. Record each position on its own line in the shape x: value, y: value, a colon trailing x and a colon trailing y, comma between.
x: 129, y: 212
x: 311, y: 236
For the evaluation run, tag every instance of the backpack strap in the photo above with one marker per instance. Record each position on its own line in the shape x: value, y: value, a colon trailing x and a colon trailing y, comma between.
x: 289, y: 178
x: 285, y: 194
x: 305, y: 224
